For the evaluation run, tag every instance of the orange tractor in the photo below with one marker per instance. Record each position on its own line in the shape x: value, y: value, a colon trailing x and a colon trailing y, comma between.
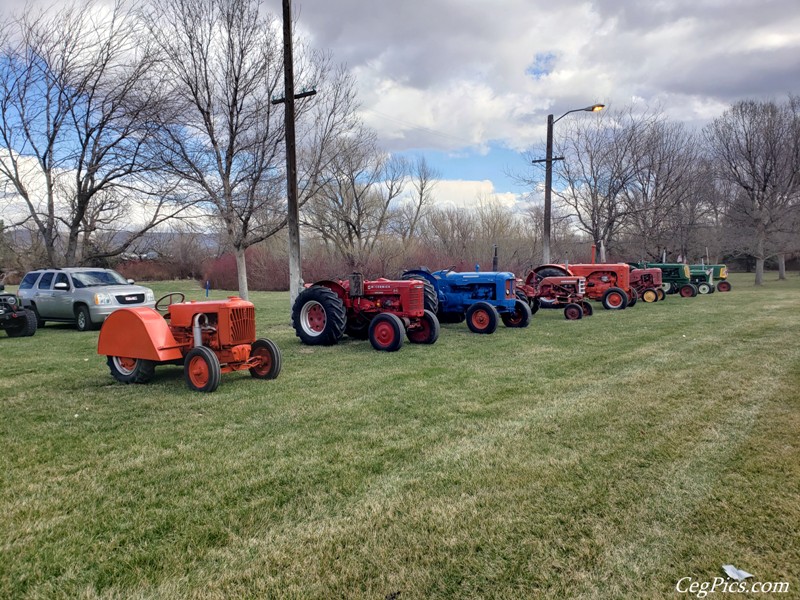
x: 208, y: 338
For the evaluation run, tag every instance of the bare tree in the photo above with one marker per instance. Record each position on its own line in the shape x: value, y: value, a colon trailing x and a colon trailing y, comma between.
x: 351, y: 210
x: 223, y: 136
x: 408, y: 216
x: 599, y: 164
x: 77, y: 101
x: 756, y: 147
x: 663, y: 177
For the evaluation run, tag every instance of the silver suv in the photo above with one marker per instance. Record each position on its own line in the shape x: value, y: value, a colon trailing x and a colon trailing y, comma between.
x: 84, y: 296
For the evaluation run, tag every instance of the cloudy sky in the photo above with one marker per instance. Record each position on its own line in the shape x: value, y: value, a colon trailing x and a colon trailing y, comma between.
x: 469, y: 83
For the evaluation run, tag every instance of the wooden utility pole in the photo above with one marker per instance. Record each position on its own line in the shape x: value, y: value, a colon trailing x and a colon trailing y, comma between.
x: 292, y: 215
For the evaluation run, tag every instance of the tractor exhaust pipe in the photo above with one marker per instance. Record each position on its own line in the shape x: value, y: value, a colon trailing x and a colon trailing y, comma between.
x: 494, y: 259
x: 594, y: 251
x: 197, y: 328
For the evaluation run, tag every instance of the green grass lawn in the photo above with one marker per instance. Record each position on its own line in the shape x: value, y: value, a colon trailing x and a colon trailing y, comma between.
x: 602, y: 458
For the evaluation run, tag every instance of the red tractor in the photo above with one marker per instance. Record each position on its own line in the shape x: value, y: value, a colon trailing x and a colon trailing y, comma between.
x: 547, y: 286
x: 381, y: 310
x: 208, y: 338
x: 647, y: 283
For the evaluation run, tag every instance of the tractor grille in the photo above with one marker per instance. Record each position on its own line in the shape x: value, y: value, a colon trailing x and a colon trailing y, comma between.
x: 582, y: 286
x: 130, y: 298
x: 243, y: 325
x: 416, y: 300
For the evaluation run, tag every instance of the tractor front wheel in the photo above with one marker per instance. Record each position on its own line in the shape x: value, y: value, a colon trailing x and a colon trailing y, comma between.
x: 131, y: 370
x: 573, y: 312
x: 318, y: 316
x: 615, y: 299
x: 649, y: 296
x: 201, y: 369
x: 482, y: 317
x: 427, y: 332
x: 386, y: 332
x: 521, y: 317
x: 588, y: 311
x: 688, y: 291
x: 269, y: 354
x: 661, y: 294
x: 703, y: 288
x: 724, y: 286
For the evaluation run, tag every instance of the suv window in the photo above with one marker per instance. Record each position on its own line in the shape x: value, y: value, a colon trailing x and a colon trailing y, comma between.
x: 44, y: 282
x: 62, y: 278
x: 94, y: 278
x: 28, y: 281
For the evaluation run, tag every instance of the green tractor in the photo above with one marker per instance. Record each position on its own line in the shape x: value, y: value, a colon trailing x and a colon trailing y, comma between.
x: 721, y: 277
x: 703, y: 278
x: 708, y: 278
x: 676, y: 278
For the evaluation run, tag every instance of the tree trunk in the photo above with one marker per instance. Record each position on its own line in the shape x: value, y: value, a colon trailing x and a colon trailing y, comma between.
x: 781, y: 266
x: 760, y: 243
x: 241, y: 271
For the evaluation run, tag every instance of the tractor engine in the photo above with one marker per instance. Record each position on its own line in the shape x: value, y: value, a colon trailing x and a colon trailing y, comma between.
x: 228, y: 327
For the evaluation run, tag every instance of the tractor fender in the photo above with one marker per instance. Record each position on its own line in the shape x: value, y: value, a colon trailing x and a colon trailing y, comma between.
x: 337, y: 287
x: 549, y: 270
x: 138, y: 333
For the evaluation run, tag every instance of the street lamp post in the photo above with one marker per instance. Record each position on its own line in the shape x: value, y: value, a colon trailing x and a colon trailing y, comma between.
x: 548, y: 175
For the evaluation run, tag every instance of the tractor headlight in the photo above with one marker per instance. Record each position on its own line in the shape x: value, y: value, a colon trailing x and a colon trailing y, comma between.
x: 149, y: 296
x: 686, y: 271
x: 101, y: 299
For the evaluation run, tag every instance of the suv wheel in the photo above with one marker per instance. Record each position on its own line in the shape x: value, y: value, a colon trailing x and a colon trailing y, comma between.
x: 83, y: 320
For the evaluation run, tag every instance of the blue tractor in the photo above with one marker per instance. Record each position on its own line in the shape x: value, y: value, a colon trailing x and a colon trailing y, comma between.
x: 481, y: 297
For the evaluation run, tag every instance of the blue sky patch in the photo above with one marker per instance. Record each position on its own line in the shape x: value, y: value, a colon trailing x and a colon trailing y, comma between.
x: 542, y: 65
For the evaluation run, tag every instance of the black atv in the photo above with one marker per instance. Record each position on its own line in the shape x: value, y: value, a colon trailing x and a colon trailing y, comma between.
x: 17, y: 321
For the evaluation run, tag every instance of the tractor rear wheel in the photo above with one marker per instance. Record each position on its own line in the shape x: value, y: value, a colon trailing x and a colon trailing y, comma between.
x: 131, y: 370
x: 24, y: 326
x: 521, y: 317
x: 482, y: 317
x: 724, y: 286
x: 427, y: 332
x: 661, y: 294
x: 269, y: 354
x: 649, y: 296
x: 386, y: 332
x: 535, y: 305
x: 615, y: 299
x: 201, y: 369
x: 588, y: 311
x: 667, y: 287
x: 688, y: 291
x: 703, y: 288
x: 318, y: 316
x: 573, y: 312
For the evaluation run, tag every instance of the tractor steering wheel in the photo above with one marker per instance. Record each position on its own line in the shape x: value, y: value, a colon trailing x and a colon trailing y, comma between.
x: 163, y: 303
